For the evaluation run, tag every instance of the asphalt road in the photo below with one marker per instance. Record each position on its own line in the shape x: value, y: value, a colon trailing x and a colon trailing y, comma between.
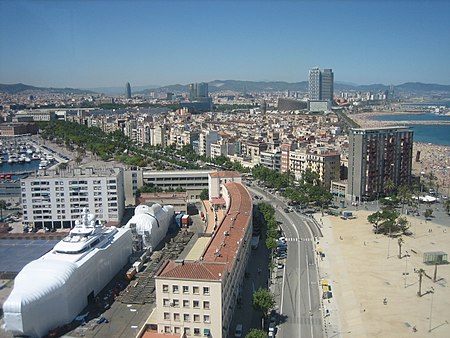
x: 296, y: 286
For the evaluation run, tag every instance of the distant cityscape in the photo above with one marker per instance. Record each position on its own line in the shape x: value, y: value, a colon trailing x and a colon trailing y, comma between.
x: 310, y: 149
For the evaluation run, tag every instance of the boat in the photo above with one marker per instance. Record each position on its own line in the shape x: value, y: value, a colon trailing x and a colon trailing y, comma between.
x: 61, y: 283
x: 12, y: 158
x: 27, y: 160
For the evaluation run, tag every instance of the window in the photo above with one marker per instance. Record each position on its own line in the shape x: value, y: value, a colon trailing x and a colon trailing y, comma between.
x: 195, y: 304
x: 187, y: 331
x: 195, y: 290
x: 185, y: 289
x: 186, y: 303
x: 175, y: 288
x: 206, y: 290
x: 177, y: 329
x: 165, y: 288
x: 186, y: 317
x: 176, y: 303
x: 206, y: 305
x: 176, y: 317
x: 166, y: 316
x: 196, y: 331
x: 196, y: 318
x: 206, y: 319
x: 166, y: 302
x: 167, y: 329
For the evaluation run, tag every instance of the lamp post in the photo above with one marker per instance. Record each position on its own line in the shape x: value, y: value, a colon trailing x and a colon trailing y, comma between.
x: 431, y: 308
x: 406, y: 267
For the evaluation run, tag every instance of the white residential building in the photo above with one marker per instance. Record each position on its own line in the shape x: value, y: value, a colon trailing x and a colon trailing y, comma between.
x: 57, y: 199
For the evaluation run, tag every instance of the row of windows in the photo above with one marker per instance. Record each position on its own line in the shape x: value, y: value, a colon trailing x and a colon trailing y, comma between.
x: 186, y: 303
x: 187, y: 330
x: 187, y: 317
x: 195, y: 289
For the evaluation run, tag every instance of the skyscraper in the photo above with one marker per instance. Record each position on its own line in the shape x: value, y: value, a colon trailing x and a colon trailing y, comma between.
x: 314, y: 84
x: 128, y: 90
x: 377, y: 155
x: 321, y: 85
x: 327, y: 85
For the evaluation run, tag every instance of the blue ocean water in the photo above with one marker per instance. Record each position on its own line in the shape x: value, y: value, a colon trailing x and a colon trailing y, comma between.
x: 426, y: 133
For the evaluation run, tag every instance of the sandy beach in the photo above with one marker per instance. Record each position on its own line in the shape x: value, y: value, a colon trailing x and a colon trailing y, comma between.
x: 363, y: 269
x: 433, y: 158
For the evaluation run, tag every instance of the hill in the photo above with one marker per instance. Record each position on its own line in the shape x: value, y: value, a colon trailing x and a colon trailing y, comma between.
x: 23, y: 88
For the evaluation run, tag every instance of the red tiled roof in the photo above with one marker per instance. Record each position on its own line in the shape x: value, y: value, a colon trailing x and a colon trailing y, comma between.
x: 192, y: 270
x: 220, y: 254
x: 225, y: 174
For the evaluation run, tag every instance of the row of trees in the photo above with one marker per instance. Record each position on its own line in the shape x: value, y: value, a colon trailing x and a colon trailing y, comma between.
x: 307, y: 190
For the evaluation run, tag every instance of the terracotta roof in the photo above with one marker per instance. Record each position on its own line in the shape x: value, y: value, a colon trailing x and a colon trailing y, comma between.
x: 225, y: 174
x: 192, y: 270
x: 220, y: 254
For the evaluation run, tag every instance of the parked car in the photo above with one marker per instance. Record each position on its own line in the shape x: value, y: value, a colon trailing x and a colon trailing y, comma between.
x: 238, y: 331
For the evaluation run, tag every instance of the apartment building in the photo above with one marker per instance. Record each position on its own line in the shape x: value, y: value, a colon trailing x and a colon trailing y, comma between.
x: 377, y: 155
x: 57, y: 198
x: 198, y: 297
x: 326, y: 165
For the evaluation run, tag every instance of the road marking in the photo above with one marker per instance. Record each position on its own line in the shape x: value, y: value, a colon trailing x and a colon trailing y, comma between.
x: 309, y: 294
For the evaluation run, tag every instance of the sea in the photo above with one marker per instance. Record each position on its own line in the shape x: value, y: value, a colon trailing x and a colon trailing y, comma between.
x: 426, y: 133
x: 15, y: 169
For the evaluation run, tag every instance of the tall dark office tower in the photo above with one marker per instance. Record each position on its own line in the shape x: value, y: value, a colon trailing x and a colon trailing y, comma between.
x: 327, y: 85
x: 376, y: 155
x: 198, y: 90
x: 321, y: 85
x: 202, y: 89
x: 128, y: 90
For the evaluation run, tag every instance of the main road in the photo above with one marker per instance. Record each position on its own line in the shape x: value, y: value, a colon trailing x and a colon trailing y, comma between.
x: 297, y: 286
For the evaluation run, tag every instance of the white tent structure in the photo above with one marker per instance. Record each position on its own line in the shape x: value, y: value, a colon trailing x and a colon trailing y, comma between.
x: 151, y: 223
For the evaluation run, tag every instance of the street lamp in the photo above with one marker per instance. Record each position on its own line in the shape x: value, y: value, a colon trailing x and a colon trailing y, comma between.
x: 406, y: 267
x: 431, y: 308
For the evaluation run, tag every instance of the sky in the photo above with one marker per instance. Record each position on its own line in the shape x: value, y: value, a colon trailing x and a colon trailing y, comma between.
x: 88, y: 44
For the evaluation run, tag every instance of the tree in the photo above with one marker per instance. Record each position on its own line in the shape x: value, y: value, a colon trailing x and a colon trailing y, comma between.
x: 264, y: 301
x: 204, y: 195
x: 2, y: 207
x: 405, y: 195
x: 428, y: 212
x: 78, y: 160
x: 63, y: 166
x: 389, y: 186
x: 255, y: 333
x: 420, y: 272
x: 447, y: 206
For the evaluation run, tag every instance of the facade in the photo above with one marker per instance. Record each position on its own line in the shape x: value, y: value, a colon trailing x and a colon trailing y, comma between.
x: 326, y: 165
x: 285, y: 104
x: 271, y: 160
x: 198, y: 298
x: 57, y: 200
x: 193, y: 181
x: 314, y: 84
x: 206, y: 138
x: 377, y: 155
x: 321, y: 85
x: 128, y: 90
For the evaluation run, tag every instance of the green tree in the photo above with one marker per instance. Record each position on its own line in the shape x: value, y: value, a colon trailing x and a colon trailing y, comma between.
x: 204, y: 195
x: 389, y: 187
x: 256, y: 333
x: 428, y: 212
x: 404, y: 195
x: 2, y: 207
x: 264, y: 301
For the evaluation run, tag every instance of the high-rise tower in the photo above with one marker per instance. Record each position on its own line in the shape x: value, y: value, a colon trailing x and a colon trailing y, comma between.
x: 128, y: 90
x: 375, y: 156
x: 314, y: 84
x: 321, y: 85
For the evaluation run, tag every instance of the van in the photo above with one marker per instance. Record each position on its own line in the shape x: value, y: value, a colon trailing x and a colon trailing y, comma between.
x: 238, y: 331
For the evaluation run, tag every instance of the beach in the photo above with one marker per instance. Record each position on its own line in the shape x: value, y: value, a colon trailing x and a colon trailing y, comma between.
x: 433, y: 159
x: 374, y: 291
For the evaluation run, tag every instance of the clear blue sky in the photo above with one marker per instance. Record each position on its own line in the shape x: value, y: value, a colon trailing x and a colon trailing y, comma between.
x: 107, y: 43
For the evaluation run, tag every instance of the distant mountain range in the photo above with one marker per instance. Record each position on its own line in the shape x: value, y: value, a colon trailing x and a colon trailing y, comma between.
x: 417, y: 88
x: 20, y: 88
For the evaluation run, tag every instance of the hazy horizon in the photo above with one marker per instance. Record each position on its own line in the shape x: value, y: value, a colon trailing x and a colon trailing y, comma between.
x: 91, y: 44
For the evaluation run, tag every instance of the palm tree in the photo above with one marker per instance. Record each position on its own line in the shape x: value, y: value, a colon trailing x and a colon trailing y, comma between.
x: 420, y: 272
x: 389, y: 186
x: 78, y: 160
x: 400, y: 242
x: 405, y: 195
